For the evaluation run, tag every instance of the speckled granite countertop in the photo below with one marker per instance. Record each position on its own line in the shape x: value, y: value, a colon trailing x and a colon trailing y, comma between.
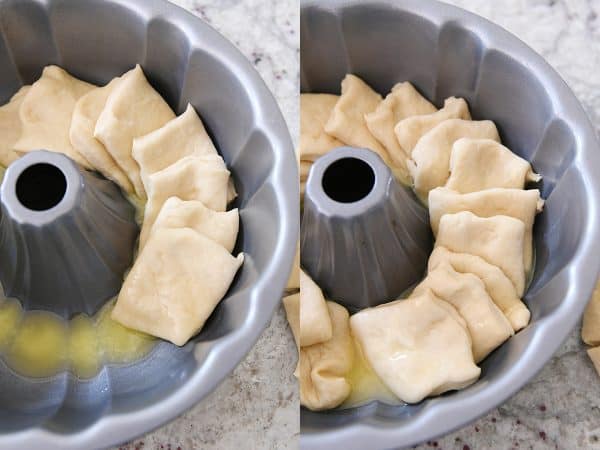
x: 257, y: 406
x: 560, y: 408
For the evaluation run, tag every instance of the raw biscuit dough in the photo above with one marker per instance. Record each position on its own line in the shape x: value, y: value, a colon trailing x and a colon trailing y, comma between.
x: 517, y: 203
x: 478, y: 164
x: 10, y: 127
x: 46, y: 114
x: 590, y: 332
x: 294, y: 280
x: 315, y: 324
x: 323, y: 368
x: 429, y: 165
x: 173, y: 286
x: 594, y: 354
x: 315, y: 110
x: 408, y: 131
x: 487, y: 326
x: 133, y: 109
x: 291, y: 303
x: 403, y: 101
x: 497, y: 284
x: 85, y: 115
x: 418, y: 347
x: 220, y: 227
x: 499, y: 240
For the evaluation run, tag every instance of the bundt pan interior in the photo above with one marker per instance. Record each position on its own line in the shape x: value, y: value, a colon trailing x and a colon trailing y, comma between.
x: 445, y: 51
x: 186, y: 61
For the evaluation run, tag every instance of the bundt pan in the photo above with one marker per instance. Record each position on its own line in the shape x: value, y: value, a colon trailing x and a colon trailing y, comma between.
x: 186, y: 61
x: 446, y: 51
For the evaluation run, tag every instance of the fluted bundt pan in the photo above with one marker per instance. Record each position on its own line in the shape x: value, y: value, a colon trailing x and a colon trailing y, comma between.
x: 186, y: 61
x: 445, y: 51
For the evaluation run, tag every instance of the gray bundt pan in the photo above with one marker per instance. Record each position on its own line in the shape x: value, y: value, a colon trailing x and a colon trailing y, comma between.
x: 446, y: 51
x: 186, y: 61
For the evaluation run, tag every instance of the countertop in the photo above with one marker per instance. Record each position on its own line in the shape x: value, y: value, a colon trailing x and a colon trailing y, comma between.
x: 257, y: 406
x: 560, y: 408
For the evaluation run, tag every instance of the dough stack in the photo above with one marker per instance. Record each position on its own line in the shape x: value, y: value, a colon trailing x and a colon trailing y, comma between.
x: 127, y: 132
x: 481, y: 215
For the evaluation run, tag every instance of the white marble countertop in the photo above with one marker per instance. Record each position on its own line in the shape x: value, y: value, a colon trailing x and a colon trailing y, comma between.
x: 258, y: 405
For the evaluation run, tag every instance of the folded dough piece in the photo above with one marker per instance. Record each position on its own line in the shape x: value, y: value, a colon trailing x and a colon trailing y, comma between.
x: 478, y: 164
x: 175, y: 284
x: 10, y: 127
x: 498, y: 240
x: 291, y: 303
x: 497, y: 284
x: 487, y: 326
x: 315, y: 324
x: 403, y: 101
x: 202, y: 178
x: 323, y: 368
x: 220, y: 227
x: 178, y: 138
x: 85, y: 115
x: 590, y: 332
x: 418, y: 347
x: 315, y: 110
x: 594, y: 354
x: 46, y: 114
x: 294, y: 280
x: 430, y: 163
x: 408, y: 131
x: 518, y: 203
x: 133, y: 109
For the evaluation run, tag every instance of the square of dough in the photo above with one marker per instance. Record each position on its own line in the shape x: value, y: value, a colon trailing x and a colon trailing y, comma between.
x: 590, y: 332
x: 133, y: 109
x: 175, y: 284
x: 418, y: 347
x: 499, y: 240
x: 315, y: 324
x: 497, y: 284
x: 487, y: 325
x: 315, y: 110
x: 594, y: 354
x: 85, y: 115
x: 517, y: 203
x: 403, y: 101
x: 10, y: 127
x: 429, y: 165
x: 323, y: 368
x: 291, y: 303
x: 478, y: 164
x: 46, y: 113
x: 408, y: 131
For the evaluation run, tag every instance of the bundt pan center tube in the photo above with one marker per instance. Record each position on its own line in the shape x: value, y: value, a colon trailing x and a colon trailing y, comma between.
x: 445, y: 51
x: 187, y: 62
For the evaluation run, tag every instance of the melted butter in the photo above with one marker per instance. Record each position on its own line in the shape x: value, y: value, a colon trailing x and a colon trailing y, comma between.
x: 365, y: 384
x: 10, y: 318
x: 83, y: 347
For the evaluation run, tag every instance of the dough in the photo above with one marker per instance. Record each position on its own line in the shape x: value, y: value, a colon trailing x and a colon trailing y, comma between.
x: 220, y: 227
x: 315, y: 110
x: 590, y: 332
x: 304, y: 170
x: 200, y: 178
x: 323, y: 368
x: 408, y: 131
x: 466, y: 292
x: 430, y: 163
x: 402, y: 102
x: 498, y: 240
x: 85, y: 115
x: 10, y: 127
x: 477, y: 164
x: 594, y: 354
x: 315, y: 325
x: 133, y: 109
x: 497, y: 284
x: 291, y: 303
x: 175, y: 284
x: 347, y: 120
x: 418, y: 347
x: 294, y: 280
x: 46, y: 114
x: 517, y: 203
x: 181, y: 137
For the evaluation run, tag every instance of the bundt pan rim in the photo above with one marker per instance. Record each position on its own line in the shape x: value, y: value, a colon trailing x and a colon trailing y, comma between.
x: 222, y: 354
x: 377, y: 426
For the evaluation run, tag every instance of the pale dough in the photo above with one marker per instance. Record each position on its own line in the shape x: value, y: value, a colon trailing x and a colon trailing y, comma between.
x: 291, y: 303
x: 10, y: 127
x: 294, y: 280
x: 133, y: 109
x: 46, y: 114
x: 418, y: 347
x: 315, y: 324
x: 174, y: 285
x: 594, y: 354
x: 315, y: 110
x: 590, y: 332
